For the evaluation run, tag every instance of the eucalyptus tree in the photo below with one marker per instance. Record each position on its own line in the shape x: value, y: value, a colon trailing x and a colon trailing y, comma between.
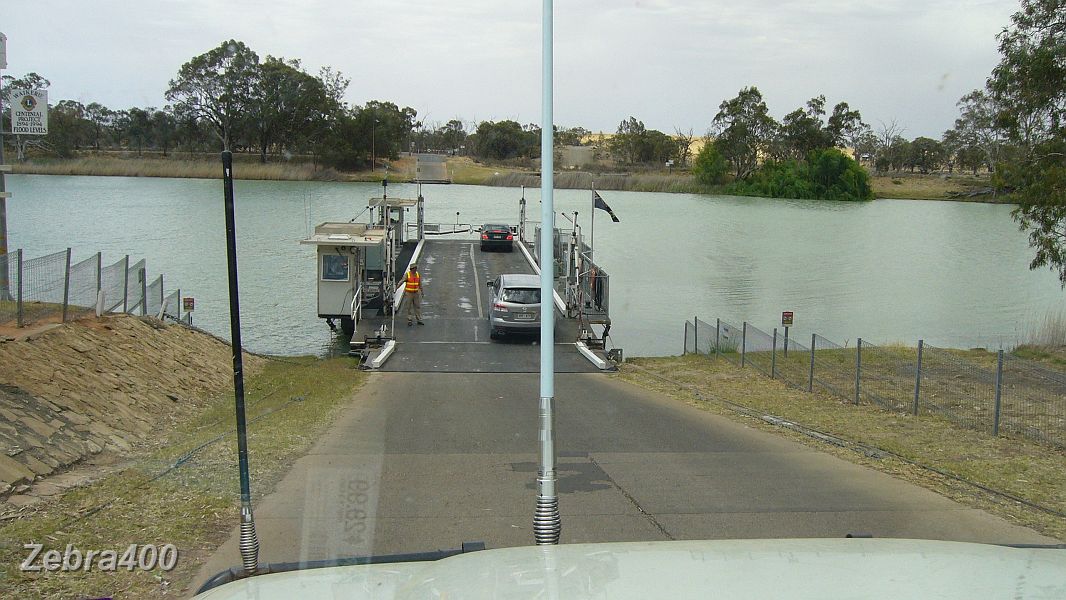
x: 803, y: 131
x: 287, y: 105
x: 744, y: 131
x: 219, y: 88
x: 1029, y: 89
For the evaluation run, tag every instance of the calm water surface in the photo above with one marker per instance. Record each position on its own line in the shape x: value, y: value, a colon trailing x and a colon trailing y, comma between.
x: 955, y: 274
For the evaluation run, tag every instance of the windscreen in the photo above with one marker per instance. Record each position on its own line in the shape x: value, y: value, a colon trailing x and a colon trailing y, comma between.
x: 521, y: 295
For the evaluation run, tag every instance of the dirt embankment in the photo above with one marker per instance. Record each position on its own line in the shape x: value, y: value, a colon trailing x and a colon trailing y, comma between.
x: 95, y: 386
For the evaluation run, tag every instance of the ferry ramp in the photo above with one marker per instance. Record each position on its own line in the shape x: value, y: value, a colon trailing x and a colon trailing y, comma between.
x: 431, y: 168
x: 455, y: 305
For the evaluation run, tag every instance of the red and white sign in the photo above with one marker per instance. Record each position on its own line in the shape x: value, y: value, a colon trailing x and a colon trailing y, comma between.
x: 188, y: 304
x: 786, y: 318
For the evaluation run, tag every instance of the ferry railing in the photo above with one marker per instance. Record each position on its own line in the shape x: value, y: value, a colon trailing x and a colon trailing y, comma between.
x: 594, y: 287
x: 439, y: 229
x: 357, y: 304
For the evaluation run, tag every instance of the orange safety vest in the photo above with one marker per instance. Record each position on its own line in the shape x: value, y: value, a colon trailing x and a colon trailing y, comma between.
x: 414, y: 282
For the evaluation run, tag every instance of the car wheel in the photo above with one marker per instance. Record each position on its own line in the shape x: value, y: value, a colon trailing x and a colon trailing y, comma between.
x: 493, y: 335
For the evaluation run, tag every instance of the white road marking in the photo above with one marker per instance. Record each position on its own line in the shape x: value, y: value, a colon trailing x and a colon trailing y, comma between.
x: 571, y: 344
x: 477, y: 284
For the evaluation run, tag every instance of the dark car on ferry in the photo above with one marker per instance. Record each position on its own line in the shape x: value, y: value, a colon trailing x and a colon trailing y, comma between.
x: 515, y: 305
x: 497, y: 237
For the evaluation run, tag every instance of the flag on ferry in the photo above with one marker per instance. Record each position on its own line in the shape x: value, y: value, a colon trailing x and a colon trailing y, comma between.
x: 597, y: 202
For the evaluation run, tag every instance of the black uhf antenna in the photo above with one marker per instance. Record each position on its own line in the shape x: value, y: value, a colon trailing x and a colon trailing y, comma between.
x: 249, y: 542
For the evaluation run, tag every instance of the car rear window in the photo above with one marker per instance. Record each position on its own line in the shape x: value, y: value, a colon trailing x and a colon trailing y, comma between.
x: 496, y: 228
x: 521, y: 295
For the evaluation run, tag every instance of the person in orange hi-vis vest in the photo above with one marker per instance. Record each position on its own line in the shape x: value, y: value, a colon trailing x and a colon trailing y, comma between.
x: 412, y: 293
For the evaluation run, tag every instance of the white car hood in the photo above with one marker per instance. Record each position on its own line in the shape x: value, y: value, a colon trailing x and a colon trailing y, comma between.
x: 763, y: 569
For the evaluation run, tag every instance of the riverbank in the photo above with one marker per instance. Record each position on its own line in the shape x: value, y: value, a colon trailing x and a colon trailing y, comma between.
x: 177, y: 483
x: 965, y: 465
x: 464, y: 170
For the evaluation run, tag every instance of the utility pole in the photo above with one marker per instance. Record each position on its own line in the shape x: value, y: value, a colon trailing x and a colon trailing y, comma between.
x: 5, y: 277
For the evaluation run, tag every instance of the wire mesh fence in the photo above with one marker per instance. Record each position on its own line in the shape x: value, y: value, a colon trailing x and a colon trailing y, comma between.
x: 887, y: 376
x: 9, y: 281
x: 1033, y: 400
x: 135, y: 288
x: 757, y: 349
x: 84, y: 286
x: 41, y: 285
x: 690, y: 338
x: 172, y: 306
x: 52, y: 288
x: 792, y: 363
x: 154, y: 297
x: 957, y: 389
x: 834, y: 368
x: 987, y: 392
x: 113, y: 285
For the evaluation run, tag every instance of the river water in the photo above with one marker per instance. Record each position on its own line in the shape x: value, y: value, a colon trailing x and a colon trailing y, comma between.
x: 955, y: 274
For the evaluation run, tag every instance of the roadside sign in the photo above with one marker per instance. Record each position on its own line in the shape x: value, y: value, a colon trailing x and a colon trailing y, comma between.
x: 3, y: 51
x: 786, y: 318
x: 188, y: 304
x: 29, y: 112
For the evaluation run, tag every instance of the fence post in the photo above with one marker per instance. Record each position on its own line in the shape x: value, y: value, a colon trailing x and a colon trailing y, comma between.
x: 717, y: 336
x: 18, y: 300
x: 684, y: 348
x: 999, y: 392
x: 696, y: 334
x: 743, y: 342
x: 810, y: 378
x: 858, y: 368
x: 99, y: 271
x: 918, y: 378
x: 126, y: 283
x: 66, y: 287
x: 773, y: 357
x: 143, y: 276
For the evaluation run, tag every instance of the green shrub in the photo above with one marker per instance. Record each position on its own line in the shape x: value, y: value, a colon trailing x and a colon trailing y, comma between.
x: 710, y: 166
x: 825, y: 175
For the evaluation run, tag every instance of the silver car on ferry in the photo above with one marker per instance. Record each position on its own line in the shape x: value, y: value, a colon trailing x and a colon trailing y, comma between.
x: 515, y: 304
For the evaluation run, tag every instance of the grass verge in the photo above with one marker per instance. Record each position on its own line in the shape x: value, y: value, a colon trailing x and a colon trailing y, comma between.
x: 931, y: 187
x: 171, y: 167
x: 1020, y: 467
x: 193, y: 506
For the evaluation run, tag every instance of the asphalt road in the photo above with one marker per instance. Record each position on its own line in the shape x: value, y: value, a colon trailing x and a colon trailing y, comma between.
x: 422, y: 461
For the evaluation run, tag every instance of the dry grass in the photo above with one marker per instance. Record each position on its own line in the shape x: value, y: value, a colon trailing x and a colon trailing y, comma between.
x: 636, y: 182
x: 1029, y: 470
x: 184, y: 168
x: 194, y: 506
x: 465, y: 171
x: 1051, y: 332
x: 928, y: 187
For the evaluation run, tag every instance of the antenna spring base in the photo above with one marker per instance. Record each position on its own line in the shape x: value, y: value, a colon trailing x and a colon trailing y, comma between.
x: 547, y: 524
x: 249, y: 542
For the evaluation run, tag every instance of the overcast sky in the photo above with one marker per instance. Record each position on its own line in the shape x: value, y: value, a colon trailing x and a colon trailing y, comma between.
x: 667, y: 62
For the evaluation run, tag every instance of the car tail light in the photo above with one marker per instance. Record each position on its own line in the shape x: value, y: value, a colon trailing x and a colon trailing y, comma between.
x: 500, y: 307
x: 510, y: 237
x: 484, y: 236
